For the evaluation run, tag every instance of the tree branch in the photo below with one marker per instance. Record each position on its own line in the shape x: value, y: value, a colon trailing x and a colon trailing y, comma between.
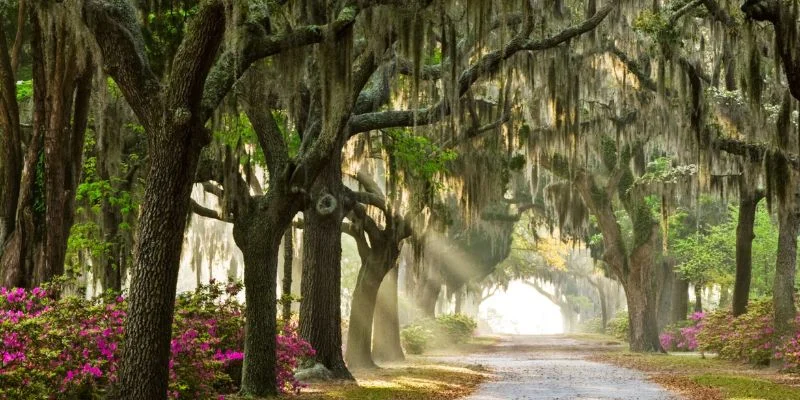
x: 116, y: 29
x: 486, y: 65
x: 214, y: 189
x: 233, y: 63
x: 673, y: 19
x: 370, y: 227
x: 206, y: 212
x: 268, y: 132
x: 17, y: 48
x: 193, y: 61
x: 719, y: 13
x: 369, y: 199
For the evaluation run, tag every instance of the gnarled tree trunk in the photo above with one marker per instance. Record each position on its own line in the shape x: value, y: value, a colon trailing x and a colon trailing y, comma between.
x: 286, y: 285
x: 174, y: 152
x: 320, y: 311
x: 365, y: 296
x: 33, y: 239
x: 786, y: 264
x: 386, y: 335
x: 748, y: 203
x: 667, y: 278
x: 258, y: 232
x: 680, y: 300
x: 377, y: 261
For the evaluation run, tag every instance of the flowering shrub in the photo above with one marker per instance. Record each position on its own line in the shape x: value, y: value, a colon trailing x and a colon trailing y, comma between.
x: 291, y: 350
x: 70, y: 348
x: 683, y: 337
x: 748, y: 337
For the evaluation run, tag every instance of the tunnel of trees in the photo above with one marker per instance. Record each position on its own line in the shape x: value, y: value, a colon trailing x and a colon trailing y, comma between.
x: 604, y: 152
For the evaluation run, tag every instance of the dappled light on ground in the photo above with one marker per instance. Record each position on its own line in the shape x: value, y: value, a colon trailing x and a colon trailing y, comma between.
x: 416, y: 381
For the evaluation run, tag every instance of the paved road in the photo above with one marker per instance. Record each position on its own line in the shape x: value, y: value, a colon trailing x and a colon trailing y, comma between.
x: 553, y: 367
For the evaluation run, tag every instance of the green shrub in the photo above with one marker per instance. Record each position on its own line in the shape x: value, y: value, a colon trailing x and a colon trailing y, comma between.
x: 619, y: 326
x: 455, y: 328
x: 444, y: 331
x: 593, y: 325
x: 415, y: 339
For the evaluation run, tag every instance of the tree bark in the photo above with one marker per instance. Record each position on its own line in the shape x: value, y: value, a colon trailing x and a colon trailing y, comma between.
x: 667, y: 278
x: 459, y: 300
x: 724, y: 296
x: 643, y: 336
x: 360, y: 332
x: 386, y: 336
x: 698, y: 298
x: 430, y: 295
x: 320, y: 310
x: 603, y: 307
x: 34, y: 239
x: 286, y: 285
x: 680, y: 300
x: 748, y: 203
x: 145, y: 361
x: 785, y: 265
x: 601, y: 294
x: 641, y: 293
x: 258, y: 234
x: 11, y: 160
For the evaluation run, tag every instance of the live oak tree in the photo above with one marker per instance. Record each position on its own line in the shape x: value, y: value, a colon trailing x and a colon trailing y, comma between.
x: 61, y: 66
x: 173, y: 111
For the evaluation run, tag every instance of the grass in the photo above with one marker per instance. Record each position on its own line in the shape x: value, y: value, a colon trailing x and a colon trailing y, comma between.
x: 709, y: 378
x: 416, y: 382
x: 740, y: 387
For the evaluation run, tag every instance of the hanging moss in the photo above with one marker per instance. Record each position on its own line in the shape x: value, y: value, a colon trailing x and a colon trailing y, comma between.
x: 608, y: 153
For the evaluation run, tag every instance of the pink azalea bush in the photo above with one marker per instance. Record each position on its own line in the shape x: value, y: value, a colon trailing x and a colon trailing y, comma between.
x: 70, y: 348
x: 747, y: 338
x: 683, y: 337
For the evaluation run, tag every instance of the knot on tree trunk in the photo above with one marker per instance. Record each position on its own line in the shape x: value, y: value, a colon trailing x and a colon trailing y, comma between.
x: 181, y: 116
x: 326, y: 204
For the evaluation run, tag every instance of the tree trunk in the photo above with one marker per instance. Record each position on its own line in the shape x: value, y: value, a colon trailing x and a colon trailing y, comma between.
x: 320, y: 310
x: 459, y: 300
x: 640, y: 291
x: 259, y: 239
x: 698, y: 297
x: 785, y: 265
x: 23, y: 245
x: 667, y: 279
x: 748, y: 203
x: 365, y: 296
x: 386, y: 336
x: 724, y: 296
x: 65, y: 91
x: 567, y: 317
x: 144, y: 369
x: 643, y: 336
x: 601, y: 293
x: 603, y: 308
x: 11, y: 160
x: 430, y: 295
x: 33, y: 253
x: 108, y: 268
x: 286, y: 285
x: 680, y: 300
